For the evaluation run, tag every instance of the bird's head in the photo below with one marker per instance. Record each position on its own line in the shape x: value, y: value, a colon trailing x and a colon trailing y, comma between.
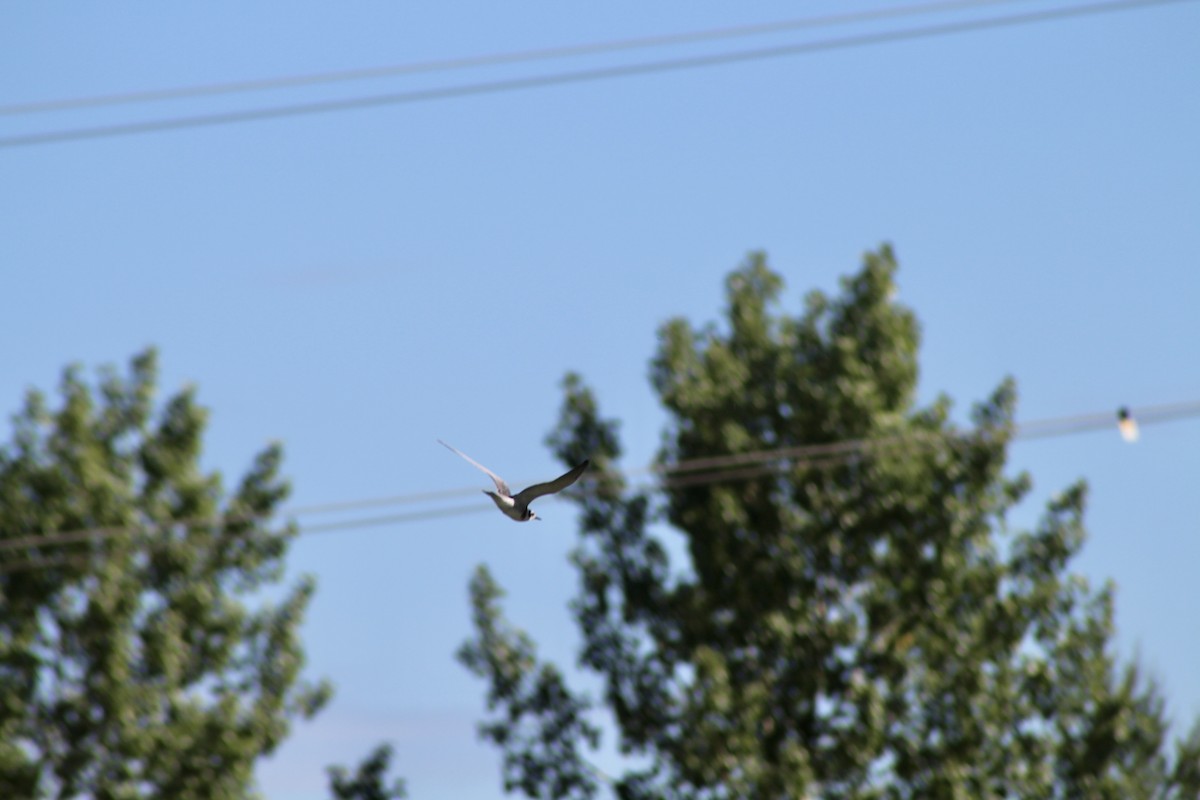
x: 530, y: 515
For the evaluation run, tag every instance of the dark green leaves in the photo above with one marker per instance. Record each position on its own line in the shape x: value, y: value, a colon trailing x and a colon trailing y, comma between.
x: 857, y: 625
x: 543, y: 725
x: 368, y: 782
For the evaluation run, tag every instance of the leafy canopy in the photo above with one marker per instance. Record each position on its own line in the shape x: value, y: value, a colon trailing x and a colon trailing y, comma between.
x: 368, y: 782
x: 859, y: 626
x: 131, y: 665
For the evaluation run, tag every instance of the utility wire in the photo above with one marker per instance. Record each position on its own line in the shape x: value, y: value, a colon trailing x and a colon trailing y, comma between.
x: 692, y: 472
x: 73, y: 560
x: 390, y: 519
x: 490, y: 59
x: 771, y: 462
x: 580, y: 76
x: 1033, y: 429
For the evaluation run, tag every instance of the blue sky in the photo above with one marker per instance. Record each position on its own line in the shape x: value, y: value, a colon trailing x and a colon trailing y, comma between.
x: 357, y: 284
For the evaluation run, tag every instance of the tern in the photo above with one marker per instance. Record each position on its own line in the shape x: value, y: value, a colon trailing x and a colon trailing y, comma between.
x: 516, y: 506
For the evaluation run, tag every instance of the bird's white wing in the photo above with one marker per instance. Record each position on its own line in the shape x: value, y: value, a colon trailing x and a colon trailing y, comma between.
x: 501, y: 486
x: 527, y: 496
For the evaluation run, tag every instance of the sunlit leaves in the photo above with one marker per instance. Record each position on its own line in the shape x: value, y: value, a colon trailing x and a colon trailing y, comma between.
x: 137, y: 668
x: 860, y: 626
x: 543, y: 725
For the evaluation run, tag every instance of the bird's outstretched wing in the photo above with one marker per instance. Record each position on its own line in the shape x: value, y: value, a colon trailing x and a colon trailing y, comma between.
x: 501, y: 486
x: 527, y: 496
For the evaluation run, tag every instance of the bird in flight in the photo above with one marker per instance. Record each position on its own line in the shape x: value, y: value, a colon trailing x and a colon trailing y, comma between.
x: 516, y: 506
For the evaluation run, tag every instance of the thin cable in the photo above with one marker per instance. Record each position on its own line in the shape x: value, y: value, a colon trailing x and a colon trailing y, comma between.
x: 1033, y: 429
x: 1062, y: 426
x: 39, y: 564
x: 390, y: 519
x: 491, y: 59
x: 581, y: 76
x: 670, y: 476
x: 1149, y: 415
x: 376, y: 502
x: 102, y: 533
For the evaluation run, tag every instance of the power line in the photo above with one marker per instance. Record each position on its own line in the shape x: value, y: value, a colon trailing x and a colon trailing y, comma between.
x: 101, y: 533
x: 491, y: 59
x: 392, y: 519
x: 692, y: 472
x: 580, y: 76
x: 1033, y: 429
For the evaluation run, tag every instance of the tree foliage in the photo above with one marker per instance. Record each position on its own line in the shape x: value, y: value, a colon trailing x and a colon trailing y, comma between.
x: 368, y: 781
x: 544, y: 726
x: 863, y: 625
x: 131, y: 663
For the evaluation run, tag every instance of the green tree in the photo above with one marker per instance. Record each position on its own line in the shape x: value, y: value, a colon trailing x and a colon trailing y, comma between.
x: 368, y: 781
x: 858, y: 625
x: 132, y: 664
